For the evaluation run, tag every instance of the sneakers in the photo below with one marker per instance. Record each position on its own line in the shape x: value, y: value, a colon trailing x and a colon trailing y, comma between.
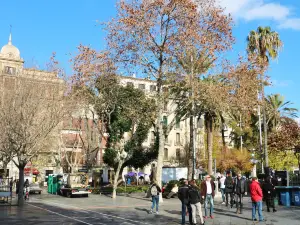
x: 205, y: 217
x: 211, y: 216
x: 274, y: 210
x: 150, y: 212
x: 156, y: 213
x: 223, y: 203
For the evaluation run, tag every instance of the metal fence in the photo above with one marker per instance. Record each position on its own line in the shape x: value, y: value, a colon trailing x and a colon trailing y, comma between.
x: 6, y: 185
x: 294, y: 180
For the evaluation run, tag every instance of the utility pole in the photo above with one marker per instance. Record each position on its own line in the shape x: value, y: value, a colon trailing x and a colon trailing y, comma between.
x: 193, y: 118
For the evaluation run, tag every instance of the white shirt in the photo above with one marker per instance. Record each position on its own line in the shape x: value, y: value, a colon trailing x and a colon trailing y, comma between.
x: 222, y: 182
x: 208, y: 188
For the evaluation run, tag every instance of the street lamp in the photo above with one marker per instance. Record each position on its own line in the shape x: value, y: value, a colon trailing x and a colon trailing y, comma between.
x: 254, y: 162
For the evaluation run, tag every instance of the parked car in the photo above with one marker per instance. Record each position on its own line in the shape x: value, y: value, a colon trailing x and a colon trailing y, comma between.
x: 35, y: 188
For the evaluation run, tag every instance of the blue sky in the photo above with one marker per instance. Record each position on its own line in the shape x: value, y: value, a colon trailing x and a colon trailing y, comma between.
x: 42, y: 27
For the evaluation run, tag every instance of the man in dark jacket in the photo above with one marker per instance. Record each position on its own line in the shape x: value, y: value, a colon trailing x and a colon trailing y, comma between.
x: 268, y: 192
x: 195, y: 201
x: 229, y: 185
x: 240, y: 189
x: 183, y: 195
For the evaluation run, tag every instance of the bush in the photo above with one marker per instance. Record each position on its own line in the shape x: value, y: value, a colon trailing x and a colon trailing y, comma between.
x: 121, y: 189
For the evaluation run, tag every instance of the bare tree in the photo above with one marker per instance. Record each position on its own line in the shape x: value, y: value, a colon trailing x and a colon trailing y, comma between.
x: 30, y: 115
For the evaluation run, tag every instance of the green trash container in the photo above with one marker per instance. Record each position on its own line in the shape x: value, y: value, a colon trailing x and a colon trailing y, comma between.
x: 50, y: 178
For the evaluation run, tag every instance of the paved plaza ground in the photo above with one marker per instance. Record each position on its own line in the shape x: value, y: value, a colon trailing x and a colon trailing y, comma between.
x: 50, y: 209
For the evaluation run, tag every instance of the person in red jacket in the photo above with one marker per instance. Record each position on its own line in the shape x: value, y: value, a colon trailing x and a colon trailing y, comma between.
x: 256, y: 197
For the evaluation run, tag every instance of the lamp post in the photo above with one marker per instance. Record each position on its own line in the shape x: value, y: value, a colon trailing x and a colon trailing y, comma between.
x: 254, y: 162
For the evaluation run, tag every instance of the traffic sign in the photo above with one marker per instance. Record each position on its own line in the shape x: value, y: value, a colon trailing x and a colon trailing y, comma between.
x: 83, y: 170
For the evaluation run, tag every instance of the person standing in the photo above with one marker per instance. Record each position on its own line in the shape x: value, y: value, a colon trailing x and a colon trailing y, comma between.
x: 222, y: 188
x: 195, y: 201
x: 240, y: 189
x: 256, y: 197
x: 229, y: 185
x: 183, y: 195
x: 155, y: 190
x: 268, y: 192
x: 208, y: 193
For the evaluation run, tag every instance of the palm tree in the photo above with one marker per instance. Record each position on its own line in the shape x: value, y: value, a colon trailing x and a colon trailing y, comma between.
x: 278, y: 108
x: 265, y: 44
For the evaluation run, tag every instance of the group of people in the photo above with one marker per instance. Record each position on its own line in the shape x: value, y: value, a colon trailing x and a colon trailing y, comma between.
x: 233, y: 190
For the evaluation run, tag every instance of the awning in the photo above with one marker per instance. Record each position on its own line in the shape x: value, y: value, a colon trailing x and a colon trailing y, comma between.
x: 28, y: 171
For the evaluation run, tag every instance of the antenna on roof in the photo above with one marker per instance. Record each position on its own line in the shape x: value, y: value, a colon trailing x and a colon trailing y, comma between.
x: 9, y: 39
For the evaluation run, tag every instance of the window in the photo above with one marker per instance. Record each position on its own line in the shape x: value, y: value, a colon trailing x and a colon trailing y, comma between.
x: 200, y: 123
x: 177, y: 138
x: 165, y: 89
x: 152, y: 137
x: 177, y: 154
x: 142, y: 86
x: 177, y: 123
x: 166, y: 106
x: 152, y: 88
x: 130, y: 84
x: 10, y: 70
x: 166, y: 154
x: 165, y: 121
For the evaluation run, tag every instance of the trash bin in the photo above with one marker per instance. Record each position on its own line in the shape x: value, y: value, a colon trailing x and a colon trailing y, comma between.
x: 297, y: 198
x: 285, y: 198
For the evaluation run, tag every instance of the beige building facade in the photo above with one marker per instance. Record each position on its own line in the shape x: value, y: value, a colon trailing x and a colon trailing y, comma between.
x: 12, y: 74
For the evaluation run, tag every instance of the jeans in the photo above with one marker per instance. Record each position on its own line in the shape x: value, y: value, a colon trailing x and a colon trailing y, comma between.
x: 231, y: 198
x: 196, y: 208
x: 257, y: 205
x: 183, y: 212
x: 209, y: 199
x: 239, y: 201
x: 223, y: 194
x: 155, y: 201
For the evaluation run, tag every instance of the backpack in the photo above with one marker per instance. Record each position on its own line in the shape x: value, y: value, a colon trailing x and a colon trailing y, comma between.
x: 229, y: 184
x: 154, y: 190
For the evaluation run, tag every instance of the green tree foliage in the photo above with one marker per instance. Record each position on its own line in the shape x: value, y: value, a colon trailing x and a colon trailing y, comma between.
x: 278, y: 108
x: 132, y: 115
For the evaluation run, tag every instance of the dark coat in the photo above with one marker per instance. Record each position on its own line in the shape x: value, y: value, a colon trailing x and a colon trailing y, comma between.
x: 183, y: 194
x: 240, y: 188
x: 229, y: 184
x: 194, y: 195
x: 268, y: 190
x: 204, y: 188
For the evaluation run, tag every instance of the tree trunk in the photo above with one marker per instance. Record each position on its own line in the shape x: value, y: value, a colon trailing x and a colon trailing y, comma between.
x: 21, y: 184
x: 116, y: 178
x: 190, y: 158
x: 265, y: 123
x: 209, y: 128
x: 161, y: 142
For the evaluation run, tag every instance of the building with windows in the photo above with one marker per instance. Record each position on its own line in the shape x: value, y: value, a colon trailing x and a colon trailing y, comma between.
x: 12, y: 74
